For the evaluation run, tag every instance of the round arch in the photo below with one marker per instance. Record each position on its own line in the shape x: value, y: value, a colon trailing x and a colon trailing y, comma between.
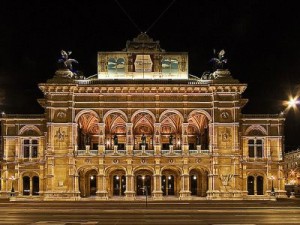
x: 86, y: 111
x: 29, y: 127
x: 172, y: 168
x: 143, y: 111
x: 115, y: 111
x: 111, y: 169
x: 138, y: 168
x: 171, y: 111
x: 256, y: 127
x: 201, y: 111
x: 201, y: 168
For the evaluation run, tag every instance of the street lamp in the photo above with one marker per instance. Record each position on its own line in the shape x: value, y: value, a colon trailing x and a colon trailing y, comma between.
x: 12, y: 178
x: 272, y: 188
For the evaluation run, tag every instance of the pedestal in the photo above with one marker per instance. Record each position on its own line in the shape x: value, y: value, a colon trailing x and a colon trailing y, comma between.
x: 87, y: 149
x: 115, y: 149
x: 143, y: 149
x: 102, y: 195
x: 129, y: 195
x: 199, y: 149
x: 171, y: 147
x: 292, y: 195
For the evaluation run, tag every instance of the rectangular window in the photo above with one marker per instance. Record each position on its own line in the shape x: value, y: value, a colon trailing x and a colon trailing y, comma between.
x: 26, y: 148
x: 255, y: 148
x: 259, y: 149
x: 251, y: 148
x: 30, y: 148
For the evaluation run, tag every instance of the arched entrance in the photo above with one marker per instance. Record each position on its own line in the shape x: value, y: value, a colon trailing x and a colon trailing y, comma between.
x: 26, y: 185
x: 198, y: 182
x: 171, y: 129
x: 88, y: 131
x: 35, y: 185
x: 143, y: 128
x: 198, y: 134
x: 30, y: 184
x: 169, y: 182
x: 143, y: 182
x: 250, y: 185
x: 88, y: 183
x: 118, y: 183
x: 260, y: 185
x: 115, y: 130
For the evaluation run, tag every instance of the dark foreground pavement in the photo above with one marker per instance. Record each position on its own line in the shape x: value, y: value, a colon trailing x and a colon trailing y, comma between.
x: 158, y: 213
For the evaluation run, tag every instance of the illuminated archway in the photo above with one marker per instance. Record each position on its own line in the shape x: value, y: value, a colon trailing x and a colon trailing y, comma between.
x: 198, y: 133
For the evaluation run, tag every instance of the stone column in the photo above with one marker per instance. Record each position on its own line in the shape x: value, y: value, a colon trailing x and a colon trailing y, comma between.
x: 101, y: 141
x: 157, y: 192
x: 129, y: 193
x: 101, y: 193
x: 129, y: 139
x: 185, y: 182
x: 157, y: 139
x: 185, y: 144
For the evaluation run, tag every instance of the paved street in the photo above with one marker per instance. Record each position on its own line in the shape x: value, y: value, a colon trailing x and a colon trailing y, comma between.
x: 158, y: 213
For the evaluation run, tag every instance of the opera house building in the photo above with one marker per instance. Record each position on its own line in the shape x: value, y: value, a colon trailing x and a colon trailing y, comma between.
x: 142, y: 126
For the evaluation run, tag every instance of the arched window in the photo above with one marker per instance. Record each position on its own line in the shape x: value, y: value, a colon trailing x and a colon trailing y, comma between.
x: 26, y: 185
x: 250, y: 185
x: 35, y: 185
x: 260, y: 185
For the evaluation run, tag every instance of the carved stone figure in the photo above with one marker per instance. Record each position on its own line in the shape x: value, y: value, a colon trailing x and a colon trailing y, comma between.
x: 66, y: 62
x: 220, y: 61
x: 143, y: 138
x: 115, y: 139
x: 171, y: 140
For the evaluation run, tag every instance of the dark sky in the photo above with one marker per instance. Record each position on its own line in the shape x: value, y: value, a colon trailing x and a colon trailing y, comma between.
x: 261, y: 40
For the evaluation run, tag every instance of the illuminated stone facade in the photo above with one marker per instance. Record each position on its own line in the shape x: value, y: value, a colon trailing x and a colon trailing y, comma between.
x: 142, y: 125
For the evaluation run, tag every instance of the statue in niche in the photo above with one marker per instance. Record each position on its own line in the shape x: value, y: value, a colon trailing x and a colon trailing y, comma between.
x: 143, y: 138
x: 171, y: 140
x: 198, y: 140
x: 115, y: 139
x: 219, y: 62
x: 87, y: 139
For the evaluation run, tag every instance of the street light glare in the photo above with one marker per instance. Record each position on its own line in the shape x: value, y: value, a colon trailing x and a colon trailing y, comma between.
x: 293, y: 102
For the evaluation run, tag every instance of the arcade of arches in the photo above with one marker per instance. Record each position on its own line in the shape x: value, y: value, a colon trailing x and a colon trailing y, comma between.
x: 118, y: 183
x: 116, y: 129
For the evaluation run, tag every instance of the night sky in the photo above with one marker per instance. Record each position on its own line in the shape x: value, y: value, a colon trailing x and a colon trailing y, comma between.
x: 261, y: 40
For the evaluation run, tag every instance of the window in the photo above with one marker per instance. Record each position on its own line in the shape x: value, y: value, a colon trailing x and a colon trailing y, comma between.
x: 116, y: 66
x: 169, y: 66
x: 30, y: 148
x: 255, y: 148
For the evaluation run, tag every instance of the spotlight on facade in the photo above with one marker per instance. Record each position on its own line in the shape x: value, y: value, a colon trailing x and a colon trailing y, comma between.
x: 195, y: 177
x: 117, y: 177
x: 92, y: 177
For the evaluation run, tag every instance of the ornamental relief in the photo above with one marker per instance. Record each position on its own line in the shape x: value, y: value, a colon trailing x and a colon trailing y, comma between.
x: 60, y: 116
x: 224, y: 135
x: 225, y: 115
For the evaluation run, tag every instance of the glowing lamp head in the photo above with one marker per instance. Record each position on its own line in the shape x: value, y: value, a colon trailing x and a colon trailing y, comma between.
x: 293, y: 102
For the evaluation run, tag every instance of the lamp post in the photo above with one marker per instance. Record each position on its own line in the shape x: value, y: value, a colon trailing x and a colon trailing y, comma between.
x: 272, y: 188
x: 12, y: 178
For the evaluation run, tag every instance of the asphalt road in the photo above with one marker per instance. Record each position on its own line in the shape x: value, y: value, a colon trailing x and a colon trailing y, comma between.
x: 158, y: 213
